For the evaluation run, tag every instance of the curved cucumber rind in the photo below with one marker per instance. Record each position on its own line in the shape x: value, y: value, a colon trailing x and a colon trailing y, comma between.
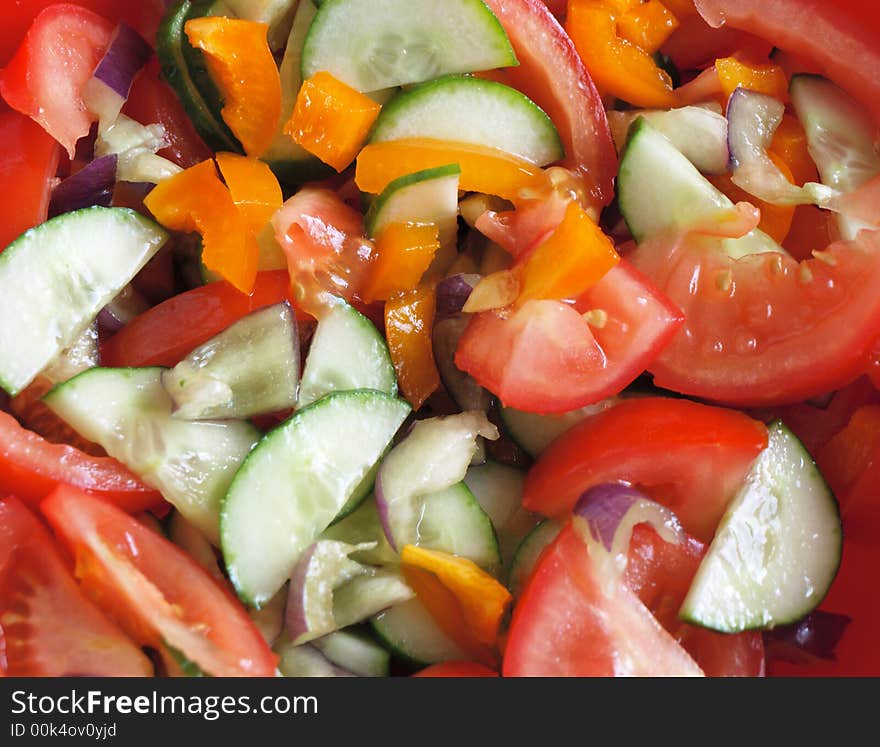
x: 55, y: 278
x: 173, y: 49
x: 661, y: 191
x: 776, y: 550
x: 376, y: 44
x: 840, y: 136
x: 471, y: 110
x: 347, y: 353
x: 429, y: 196
x: 355, y: 652
x: 296, y: 481
x: 128, y: 412
x: 410, y: 632
x: 526, y: 557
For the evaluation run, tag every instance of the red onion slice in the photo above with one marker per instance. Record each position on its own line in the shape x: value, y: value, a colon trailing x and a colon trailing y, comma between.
x: 462, y: 387
x: 453, y: 292
x: 753, y: 118
x: 813, y: 639
x: 606, y: 514
x: 128, y: 304
x: 91, y: 185
x: 107, y: 91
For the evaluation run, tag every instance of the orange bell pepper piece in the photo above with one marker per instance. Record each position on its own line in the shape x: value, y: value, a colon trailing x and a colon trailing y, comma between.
x: 617, y: 66
x: 241, y: 63
x: 331, y: 120
x: 404, y: 253
x: 574, y: 258
x: 485, y: 170
x: 482, y: 599
x: 769, y: 79
x: 790, y: 144
x: 254, y: 188
x: 196, y: 200
x: 647, y: 25
x: 409, y: 320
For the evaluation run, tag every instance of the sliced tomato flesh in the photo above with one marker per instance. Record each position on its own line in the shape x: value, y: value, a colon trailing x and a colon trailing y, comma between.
x: 547, y: 358
x: 689, y: 457
x: 31, y: 468
x: 155, y: 590
x: 49, y: 627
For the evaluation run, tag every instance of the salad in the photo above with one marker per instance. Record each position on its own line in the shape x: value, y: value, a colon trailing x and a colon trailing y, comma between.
x: 475, y: 338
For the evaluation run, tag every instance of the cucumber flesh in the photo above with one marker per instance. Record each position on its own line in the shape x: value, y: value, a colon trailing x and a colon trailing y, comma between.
x: 376, y: 44
x: 276, y: 14
x: 525, y: 560
x: 498, y: 489
x: 305, y: 661
x: 776, y: 550
x: 347, y: 353
x: 360, y: 527
x: 660, y: 191
x: 195, y: 544
x: 295, y: 482
x: 534, y: 433
x: 55, y: 278
x: 472, y: 110
x: 412, y: 634
x: 355, y: 652
x: 452, y: 521
x: 840, y: 136
x: 127, y: 411
x: 251, y: 368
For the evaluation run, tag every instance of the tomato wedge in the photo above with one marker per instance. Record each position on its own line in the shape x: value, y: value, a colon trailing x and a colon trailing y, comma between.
x: 569, y: 623
x: 44, y: 79
x: 572, y: 622
x: 689, y: 457
x: 49, y: 627
x: 546, y: 357
x: 552, y: 74
x: 766, y: 330
x: 163, y: 335
x: 841, y: 38
x: 155, y: 590
x: 456, y: 669
x: 31, y: 468
x: 28, y: 163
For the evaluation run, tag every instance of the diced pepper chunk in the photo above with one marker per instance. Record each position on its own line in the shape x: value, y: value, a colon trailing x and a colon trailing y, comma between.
x: 768, y: 79
x: 647, y: 25
x: 409, y: 320
x: 404, y: 253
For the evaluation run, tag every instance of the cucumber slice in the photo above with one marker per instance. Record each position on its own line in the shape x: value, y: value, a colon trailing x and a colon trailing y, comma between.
x: 471, y: 110
x: 360, y: 527
x: 453, y: 521
x: 305, y: 661
x: 276, y: 14
x: 429, y: 196
x: 376, y: 44
x: 195, y: 544
x: 347, y: 353
x: 296, y: 481
x: 525, y: 560
x: 840, y: 135
x: 127, y: 411
x: 355, y: 652
x: 498, y: 489
x: 411, y: 633
x: 776, y: 550
x: 55, y: 278
x: 173, y: 50
x: 534, y: 433
x: 660, y: 191
x: 251, y: 368
x: 291, y: 163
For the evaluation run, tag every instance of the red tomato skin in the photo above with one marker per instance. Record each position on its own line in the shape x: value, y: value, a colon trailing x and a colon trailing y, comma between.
x: 85, y: 525
x: 18, y: 15
x: 546, y: 358
x: 45, y: 77
x: 153, y: 101
x: 689, y: 457
x: 53, y: 628
x: 28, y: 163
x: 31, y: 468
x: 457, y: 669
x: 842, y: 38
x: 166, y: 333
x: 552, y: 74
